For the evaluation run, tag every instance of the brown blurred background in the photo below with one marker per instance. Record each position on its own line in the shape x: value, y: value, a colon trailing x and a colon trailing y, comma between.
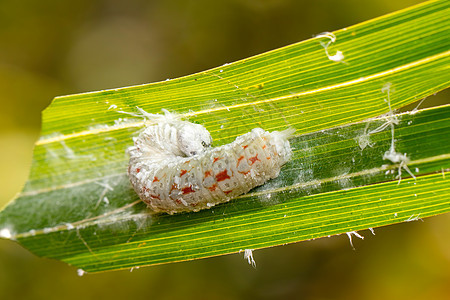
x: 50, y: 48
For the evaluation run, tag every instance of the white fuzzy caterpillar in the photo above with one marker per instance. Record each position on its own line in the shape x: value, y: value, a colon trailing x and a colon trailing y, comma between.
x: 173, y: 169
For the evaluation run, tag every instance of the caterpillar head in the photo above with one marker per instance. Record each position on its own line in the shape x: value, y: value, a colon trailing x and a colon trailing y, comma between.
x: 193, y: 139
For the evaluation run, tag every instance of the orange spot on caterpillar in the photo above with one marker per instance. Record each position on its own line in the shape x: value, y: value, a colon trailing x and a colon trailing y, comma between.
x: 216, y: 159
x: 155, y: 179
x: 222, y: 175
x: 178, y: 201
x: 268, y: 157
x: 183, y: 172
x: 145, y: 189
x: 264, y: 146
x: 208, y: 173
x: 245, y: 173
x: 213, y: 187
x: 174, y: 187
x: 138, y: 170
x: 239, y: 160
x: 187, y: 190
x: 253, y: 159
x: 245, y: 146
x: 155, y: 197
x: 227, y: 192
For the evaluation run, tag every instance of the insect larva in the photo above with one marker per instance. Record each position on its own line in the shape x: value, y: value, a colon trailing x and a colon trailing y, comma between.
x: 173, y: 168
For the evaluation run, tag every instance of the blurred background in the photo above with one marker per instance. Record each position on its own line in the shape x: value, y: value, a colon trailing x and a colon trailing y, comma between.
x: 50, y: 48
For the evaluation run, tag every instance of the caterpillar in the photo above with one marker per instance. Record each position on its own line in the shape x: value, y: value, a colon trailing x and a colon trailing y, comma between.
x: 173, y: 167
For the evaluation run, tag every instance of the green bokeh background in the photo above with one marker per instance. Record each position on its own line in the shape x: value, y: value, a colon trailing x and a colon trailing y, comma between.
x: 50, y: 48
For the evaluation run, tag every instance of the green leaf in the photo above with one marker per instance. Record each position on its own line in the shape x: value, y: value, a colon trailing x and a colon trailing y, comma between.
x: 79, y: 207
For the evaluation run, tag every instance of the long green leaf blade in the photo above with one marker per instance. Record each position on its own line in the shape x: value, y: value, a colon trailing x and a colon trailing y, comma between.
x: 78, y: 205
